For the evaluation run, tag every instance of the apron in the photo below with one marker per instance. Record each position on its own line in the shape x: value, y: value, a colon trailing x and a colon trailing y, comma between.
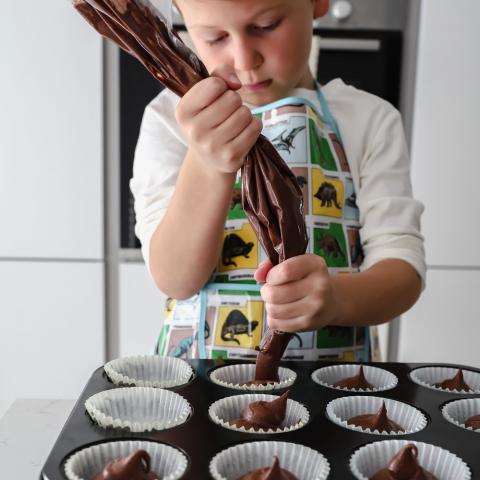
x: 226, y: 319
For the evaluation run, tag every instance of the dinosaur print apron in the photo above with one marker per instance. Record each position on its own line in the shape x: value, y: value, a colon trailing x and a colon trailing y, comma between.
x: 227, y: 317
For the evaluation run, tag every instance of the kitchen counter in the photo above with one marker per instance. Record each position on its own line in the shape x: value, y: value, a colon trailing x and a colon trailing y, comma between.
x: 27, y: 433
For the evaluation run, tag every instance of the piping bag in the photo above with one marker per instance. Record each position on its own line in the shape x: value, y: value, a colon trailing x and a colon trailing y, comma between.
x: 271, y: 196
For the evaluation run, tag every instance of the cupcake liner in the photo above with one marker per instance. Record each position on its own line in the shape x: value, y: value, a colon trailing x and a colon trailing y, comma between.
x: 371, y: 458
x: 167, y: 462
x: 344, y: 408
x: 229, y: 408
x: 232, y: 376
x: 140, y: 409
x: 427, y: 376
x: 378, y: 377
x: 149, y: 371
x: 459, y: 411
x: 303, y: 462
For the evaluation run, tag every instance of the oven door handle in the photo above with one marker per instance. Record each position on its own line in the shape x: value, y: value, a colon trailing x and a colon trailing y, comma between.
x: 340, y: 44
x: 349, y: 44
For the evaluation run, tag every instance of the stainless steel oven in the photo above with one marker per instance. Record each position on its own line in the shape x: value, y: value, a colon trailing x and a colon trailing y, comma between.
x: 361, y: 41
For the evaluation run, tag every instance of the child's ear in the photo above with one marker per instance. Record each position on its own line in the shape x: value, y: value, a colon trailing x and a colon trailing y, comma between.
x: 320, y: 8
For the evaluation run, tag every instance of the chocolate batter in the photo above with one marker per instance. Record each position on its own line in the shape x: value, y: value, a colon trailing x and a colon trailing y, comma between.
x: 376, y: 421
x: 270, y: 473
x: 404, y: 466
x: 134, y: 467
x: 357, y: 381
x: 258, y: 382
x: 455, y: 383
x: 271, y: 350
x: 261, y: 414
x: 473, y: 422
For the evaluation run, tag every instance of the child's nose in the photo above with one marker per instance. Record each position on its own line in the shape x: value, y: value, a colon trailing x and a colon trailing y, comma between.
x: 246, y: 56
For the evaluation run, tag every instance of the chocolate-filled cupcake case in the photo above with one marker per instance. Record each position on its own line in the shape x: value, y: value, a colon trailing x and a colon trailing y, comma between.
x: 199, y: 439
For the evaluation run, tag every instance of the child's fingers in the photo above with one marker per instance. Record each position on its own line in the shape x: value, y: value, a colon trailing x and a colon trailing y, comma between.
x: 295, y: 268
x: 217, y: 113
x: 290, y: 310
x: 200, y: 96
x: 291, y: 292
x: 227, y: 73
x: 235, y: 124
x: 292, y: 325
x: 262, y: 270
x: 244, y: 141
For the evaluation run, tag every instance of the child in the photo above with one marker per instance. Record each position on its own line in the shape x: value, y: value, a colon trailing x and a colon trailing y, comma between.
x: 365, y: 261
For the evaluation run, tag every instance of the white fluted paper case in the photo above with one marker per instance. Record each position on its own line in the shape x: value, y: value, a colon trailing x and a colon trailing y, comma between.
x: 305, y: 463
x: 459, y: 411
x: 379, y: 378
x: 149, y: 371
x: 167, y: 462
x: 139, y: 409
x: 427, y: 376
x: 342, y: 409
x: 371, y: 458
x: 226, y: 409
x: 232, y: 376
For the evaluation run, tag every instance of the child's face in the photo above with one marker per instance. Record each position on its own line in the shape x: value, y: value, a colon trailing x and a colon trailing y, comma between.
x: 267, y: 43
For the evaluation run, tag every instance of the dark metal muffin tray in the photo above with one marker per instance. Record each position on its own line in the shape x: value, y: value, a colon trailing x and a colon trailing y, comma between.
x: 201, y: 439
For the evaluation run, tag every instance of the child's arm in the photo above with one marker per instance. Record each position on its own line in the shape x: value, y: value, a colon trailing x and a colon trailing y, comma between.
x: 220, y: 131
x: 301, y: 295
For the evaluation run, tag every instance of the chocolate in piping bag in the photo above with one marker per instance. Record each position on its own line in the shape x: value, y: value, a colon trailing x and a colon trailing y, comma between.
x: 144, y: 33
x: 271, y: 196
x: 272, y: 346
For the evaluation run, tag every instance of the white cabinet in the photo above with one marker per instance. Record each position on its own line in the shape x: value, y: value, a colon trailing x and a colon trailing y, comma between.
x: 444, y: 325
x: 51, y: 184
x: 141, y: 307
x: 51, y: 328
x: 446, y: 130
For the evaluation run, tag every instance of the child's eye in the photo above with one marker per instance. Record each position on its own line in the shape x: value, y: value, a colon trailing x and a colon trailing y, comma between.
x: 216, y: 40
x: 266, y: 28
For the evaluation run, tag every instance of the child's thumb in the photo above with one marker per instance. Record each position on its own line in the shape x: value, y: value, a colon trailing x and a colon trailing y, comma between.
x: 227, y: 73
x: 262, y: 271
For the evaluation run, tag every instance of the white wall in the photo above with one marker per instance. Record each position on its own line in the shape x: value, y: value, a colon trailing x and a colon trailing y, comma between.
x: 445, y: 153
x: 445, y: 324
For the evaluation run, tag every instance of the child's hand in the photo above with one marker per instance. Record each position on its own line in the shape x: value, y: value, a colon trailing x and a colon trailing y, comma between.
x: 219, y: 129
x: 298, y: 294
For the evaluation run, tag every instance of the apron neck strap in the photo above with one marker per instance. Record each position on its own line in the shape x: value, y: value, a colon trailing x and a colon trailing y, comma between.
x: 327, y: 113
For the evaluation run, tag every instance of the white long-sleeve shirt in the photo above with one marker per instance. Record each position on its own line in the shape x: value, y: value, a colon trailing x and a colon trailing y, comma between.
x: 374, y: 142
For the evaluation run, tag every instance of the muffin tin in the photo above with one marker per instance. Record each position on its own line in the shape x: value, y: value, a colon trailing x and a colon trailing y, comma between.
x: 201, y: 439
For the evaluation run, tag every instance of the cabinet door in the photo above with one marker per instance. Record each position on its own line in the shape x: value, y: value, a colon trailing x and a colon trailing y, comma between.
x: 51, y: 184
x: 445, y: 163
x: 444, y: 326
x: 51, y: 328
x: 141, y: 310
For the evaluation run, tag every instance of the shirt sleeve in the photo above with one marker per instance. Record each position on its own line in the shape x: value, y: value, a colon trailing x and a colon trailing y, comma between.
x: 389, y: 215
x: 377, y: 152
x: 159, y: 154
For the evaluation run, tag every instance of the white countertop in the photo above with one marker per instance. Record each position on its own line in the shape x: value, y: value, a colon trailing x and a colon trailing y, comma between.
x: 27, y: 433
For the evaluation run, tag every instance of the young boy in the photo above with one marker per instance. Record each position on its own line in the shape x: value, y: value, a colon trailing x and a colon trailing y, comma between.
x: 365, y: 261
